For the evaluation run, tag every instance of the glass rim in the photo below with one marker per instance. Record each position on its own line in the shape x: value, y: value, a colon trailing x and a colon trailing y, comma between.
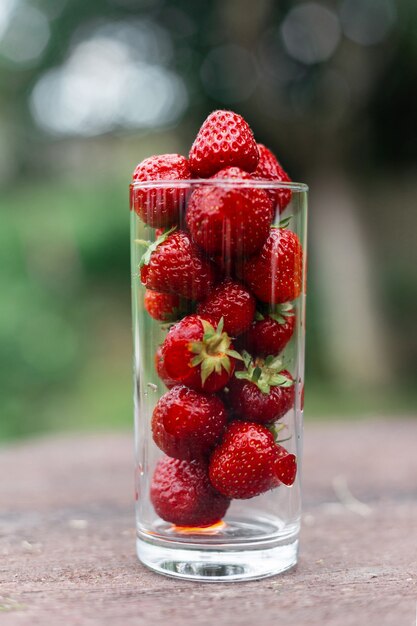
x: 220, y: 182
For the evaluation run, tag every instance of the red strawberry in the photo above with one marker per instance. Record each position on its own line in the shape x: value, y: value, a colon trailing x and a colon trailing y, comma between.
x: 270, y: 169
x: 286, y: 466
x: 271, y: 332
x: 263, y: 392
x: 160, y: 369
x: 198, y: 355
x: 187, y: 424
x: 248, y: 462
x: 159, y: 206
x: 181, y: 493
x: 275, y: 274
x: 164, y: 307
x: 233, y: 302
x: 172, y: 264
x: 224, y: 139
x: 229, y: 220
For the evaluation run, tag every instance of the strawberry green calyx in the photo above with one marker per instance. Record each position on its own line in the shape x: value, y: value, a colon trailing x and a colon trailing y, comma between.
x: 284, y: 223
x: 264, y: 373
x: 213, y: 352
x: 276, y: 430
x: 281, y: 312
x: 152, y: 246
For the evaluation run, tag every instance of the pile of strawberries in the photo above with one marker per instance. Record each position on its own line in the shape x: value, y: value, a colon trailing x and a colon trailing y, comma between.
x: 227, y: 277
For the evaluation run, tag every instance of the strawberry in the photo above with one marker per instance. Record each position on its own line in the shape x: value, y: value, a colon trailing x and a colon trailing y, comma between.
x: 262, y: 392
x: 164, y: 307
x: 224, y: 139
x: 233, y: 302
x: 248, y: 462
x: 160, y: 369
x: 271, y: 332
x: 229, y: 220
x: 275, y: 274
x: 286, y: 466
x: 187, y: 424
x: 181, y: 493
x: 270, y: 169
x: 172, y: 264
x: 199, y: 355
x: 159, y: 206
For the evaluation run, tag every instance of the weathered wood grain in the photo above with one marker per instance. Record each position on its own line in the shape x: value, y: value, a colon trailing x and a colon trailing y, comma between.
x: 67, y: 538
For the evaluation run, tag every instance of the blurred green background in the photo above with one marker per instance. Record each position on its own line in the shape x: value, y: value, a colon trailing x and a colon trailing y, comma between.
x: 88, y: 89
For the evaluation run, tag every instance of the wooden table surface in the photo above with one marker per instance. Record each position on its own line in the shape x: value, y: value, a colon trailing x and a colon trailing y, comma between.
x: 67, y: 553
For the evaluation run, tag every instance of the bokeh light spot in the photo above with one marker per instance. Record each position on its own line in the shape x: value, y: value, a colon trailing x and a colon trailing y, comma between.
x: 25, y: 36
x: 311, y: 33
x: 367, y: 22
x: 7, y: 8
x: 107, y: 83
x: 146, y: 40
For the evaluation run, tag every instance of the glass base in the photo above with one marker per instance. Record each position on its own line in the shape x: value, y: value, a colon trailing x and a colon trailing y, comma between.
x: 218, y: 560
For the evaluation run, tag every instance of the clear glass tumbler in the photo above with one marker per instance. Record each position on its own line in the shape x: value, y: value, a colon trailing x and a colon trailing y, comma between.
x: 240, y: 518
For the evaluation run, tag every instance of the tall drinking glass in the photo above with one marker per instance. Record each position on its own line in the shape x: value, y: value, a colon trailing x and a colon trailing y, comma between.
x: 245, y: 536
